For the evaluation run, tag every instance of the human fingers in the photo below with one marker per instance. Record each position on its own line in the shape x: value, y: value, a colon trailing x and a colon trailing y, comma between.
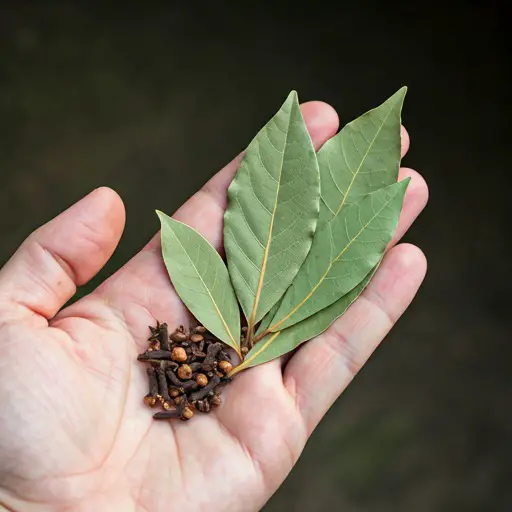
x: 322, y: 368
x: 61, y: 255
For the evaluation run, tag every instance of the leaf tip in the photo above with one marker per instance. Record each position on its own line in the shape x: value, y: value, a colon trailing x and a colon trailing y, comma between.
x: 293, y: 97
x: 397, y: 99
x: 405, y: 183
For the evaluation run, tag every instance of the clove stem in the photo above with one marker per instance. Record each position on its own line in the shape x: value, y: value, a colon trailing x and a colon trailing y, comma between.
x: 155, y: 354
x: 199, y: 395
x: 167, y: 415
x: 163, y: 389
x: 164, y: 337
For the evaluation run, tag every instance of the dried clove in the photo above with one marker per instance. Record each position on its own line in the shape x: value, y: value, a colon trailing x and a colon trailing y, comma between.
x: 199, y: 395
x: 179, y: 354
x: 187, y: 413
x: 155, y: 354
x: 163, y: 388
x: 225, y: 366
x: 211, y: 353
x: 203, y: 405
x: 185, y: 373
x: 174, y: 392
x: 201, y: 380
x: 187, y: 384
x: 178, y: 336
x: 167, y: 415
x: 150, y: 398
x: 164, y: 337
x: 224, y: 356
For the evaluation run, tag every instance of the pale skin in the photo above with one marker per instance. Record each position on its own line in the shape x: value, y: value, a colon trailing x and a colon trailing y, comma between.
x: 74, y: 433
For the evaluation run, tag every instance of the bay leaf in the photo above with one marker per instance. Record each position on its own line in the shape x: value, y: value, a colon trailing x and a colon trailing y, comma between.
x: 272, y: 212
x: 344, y: 251
x: 201, y: 279
x: 362, y: 158
x: 275, y: 345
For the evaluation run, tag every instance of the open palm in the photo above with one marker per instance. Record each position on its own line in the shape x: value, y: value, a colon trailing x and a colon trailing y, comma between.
x: 74, y: 434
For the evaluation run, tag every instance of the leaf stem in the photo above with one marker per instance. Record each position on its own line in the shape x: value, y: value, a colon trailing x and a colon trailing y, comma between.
x: 244, y: 364
x: 261, y: 336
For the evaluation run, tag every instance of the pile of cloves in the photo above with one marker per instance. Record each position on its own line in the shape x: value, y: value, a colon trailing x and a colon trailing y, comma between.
x: 185, y: 372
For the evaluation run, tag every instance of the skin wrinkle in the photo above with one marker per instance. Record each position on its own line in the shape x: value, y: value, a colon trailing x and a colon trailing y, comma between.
x: 4, y: 506
x: 293, y: 399
x: 138, y: 500
x: 12, y: 490
x: 178, y: 452
x: 109, y: 452
x: 246, y: 450
x: 34, y: 245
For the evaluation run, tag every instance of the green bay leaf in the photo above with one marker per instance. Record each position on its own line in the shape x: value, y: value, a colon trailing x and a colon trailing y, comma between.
x: 201, y: 279
x: 362, y: 158
x: 272, y: 211
x: 277, y: 344
x: 344, y: 251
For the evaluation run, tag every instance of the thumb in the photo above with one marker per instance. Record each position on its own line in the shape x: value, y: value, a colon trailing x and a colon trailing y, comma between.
x: 63, y: 254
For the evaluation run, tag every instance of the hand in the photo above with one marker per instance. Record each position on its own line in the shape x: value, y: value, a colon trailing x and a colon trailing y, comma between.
x: 74, y: 432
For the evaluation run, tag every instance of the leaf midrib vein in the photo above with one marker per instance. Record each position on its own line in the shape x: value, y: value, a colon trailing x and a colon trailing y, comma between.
x: 257, y: 295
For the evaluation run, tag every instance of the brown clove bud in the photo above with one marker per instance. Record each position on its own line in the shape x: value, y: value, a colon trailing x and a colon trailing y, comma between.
x: 179, y: 354
x: 187, y: 413
x: 187, y: 384
x: 201, y: 380
x: 202, y: 393
x: 178, y: 336
x: 174, y: 392
x: 167, y: 405
x: 185, y: 372
x: 196, y: 338
x: 150, y: 401
x: 225, y: 366
x: 200, y: 329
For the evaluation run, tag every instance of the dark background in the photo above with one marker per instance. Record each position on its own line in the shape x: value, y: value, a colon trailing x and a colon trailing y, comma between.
x: 151, y: 102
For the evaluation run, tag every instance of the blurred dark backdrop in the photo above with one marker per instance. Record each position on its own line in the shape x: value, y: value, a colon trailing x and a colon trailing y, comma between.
x: 151, y: 102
